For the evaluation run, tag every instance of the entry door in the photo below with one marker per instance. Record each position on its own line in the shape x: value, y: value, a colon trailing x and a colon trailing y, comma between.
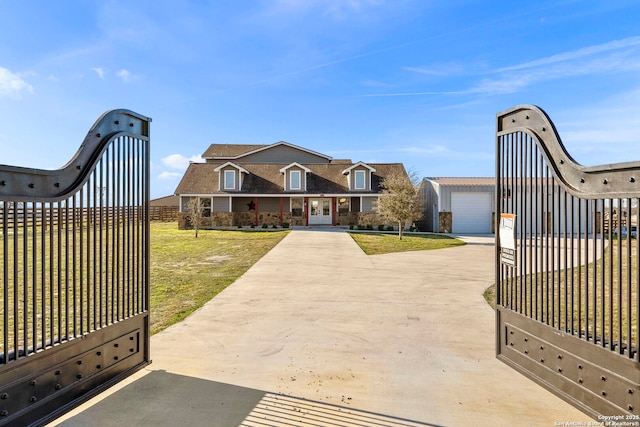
x: 320, y: 211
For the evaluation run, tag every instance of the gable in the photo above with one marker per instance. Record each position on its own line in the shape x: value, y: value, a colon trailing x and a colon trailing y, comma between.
x: 283, y: 153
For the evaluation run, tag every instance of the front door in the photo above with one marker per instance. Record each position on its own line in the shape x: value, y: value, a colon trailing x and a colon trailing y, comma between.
x: 320, y: 211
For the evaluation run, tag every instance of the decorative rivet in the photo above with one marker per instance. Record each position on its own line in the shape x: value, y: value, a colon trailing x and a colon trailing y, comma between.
x: 560, y: 356
x: 4, y: 396
x: 630, y: 391
x: 33, y: 399
x: 57, y: 372
x: 603, y: 378
x: 130, y: 125
x: 131, y: 338
x: 131, y: 350
x: 117, y: 122
x: 562, y: 162
x: 604, y: 393
x: 541, y: 347
x: 582, y: 180
x: 99, y: 353
x: 3, y: 183
x: 32, y: 383
x: 542, y: 360
x: 630, y: 407
x: 98, y: 135
x: 580, y: 380
x: 78, y: 167
x: 32, y: 185
x: 526, y: 117
x: 115, y: 357
x: 79, y: 376
x: 632, y: 179
x: 526, y: 339
x: 604, y: 181
x: 57, y: 184
x: 544, y: 129
x: 513, y: 120
x: 58, y: 387
x: 4, y: 413
x: 511, y: 344
x: 98, y: 366
x: 79, y: 362
x: 526, y: 352
x: 579, y: 366
x: 560, y: 370
x: 116, y: 345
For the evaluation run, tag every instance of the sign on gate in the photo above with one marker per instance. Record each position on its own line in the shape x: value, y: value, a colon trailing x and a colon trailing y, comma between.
x: 507, y: 235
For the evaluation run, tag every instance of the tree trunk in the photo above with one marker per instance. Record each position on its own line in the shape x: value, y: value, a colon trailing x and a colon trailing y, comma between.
x: 400, y: 229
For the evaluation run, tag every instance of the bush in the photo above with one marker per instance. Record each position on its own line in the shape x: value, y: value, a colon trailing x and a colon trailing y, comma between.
x: 361, y: 227
x: 265, y: 225
x: 285, y: 225
x: 380, y: 227
x: 351, y: 226
x: 239, y: 226
x: 274, y: 226
x: 253, y: 226
x: 369, y: 227
x: 389, y: 228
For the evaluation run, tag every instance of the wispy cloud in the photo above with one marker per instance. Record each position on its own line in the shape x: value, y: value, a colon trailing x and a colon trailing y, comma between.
x: 169, y: 176
x: 124, y: 74
x: 99, y: 71
x: 444, y: 69
x: 12, y: 85
x: 178, y: 161
x: 612, y: 57
x: 338, y: 9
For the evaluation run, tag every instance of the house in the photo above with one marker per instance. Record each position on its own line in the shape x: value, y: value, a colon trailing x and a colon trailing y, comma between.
x: 457, y: 205
x: 242, y: 185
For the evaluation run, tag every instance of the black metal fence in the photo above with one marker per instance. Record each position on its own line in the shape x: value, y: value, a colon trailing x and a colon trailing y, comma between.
x: 568, y: 293
x: 74, y: 250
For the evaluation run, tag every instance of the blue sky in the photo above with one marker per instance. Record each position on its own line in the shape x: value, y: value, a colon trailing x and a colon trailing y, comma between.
x: 411, y: 81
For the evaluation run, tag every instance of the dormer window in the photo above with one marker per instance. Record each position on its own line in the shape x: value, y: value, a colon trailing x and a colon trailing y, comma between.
x: 230, y: 176
x: 360, y: 180
x: 295, y: 177
x: 359, y: 176
x: 294, y: 180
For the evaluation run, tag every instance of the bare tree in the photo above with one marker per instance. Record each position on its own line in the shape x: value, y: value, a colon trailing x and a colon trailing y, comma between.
x: 195, y: 215
x: 400, y: 201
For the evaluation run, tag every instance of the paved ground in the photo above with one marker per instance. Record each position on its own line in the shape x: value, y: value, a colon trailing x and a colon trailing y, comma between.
x: 317, y: 333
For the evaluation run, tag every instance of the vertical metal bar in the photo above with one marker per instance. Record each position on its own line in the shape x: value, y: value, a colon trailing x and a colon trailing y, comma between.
x: 34, y: 279
x: 25, y: 280
x: 128, y: 225
x: 15, y: 282
x: 5, y: 282
x: 59, y: 269
x: 66, y: 268
x: 74, y: 278
x: 100, y: 268
x: 629, y: 285
x: 118, y: 244
x: 603, y: 277
x: 579, y: 261
x: 107, y: 225
x: 536, y: 234
x: 565, y: 305
x: 81, y: 261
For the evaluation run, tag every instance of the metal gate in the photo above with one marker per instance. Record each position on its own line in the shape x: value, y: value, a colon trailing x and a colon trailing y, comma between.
x: 567, y: 268
x: 74, y: 288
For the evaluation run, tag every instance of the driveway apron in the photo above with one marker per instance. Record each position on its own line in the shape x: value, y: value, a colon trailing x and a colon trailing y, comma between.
x: 318, y: 333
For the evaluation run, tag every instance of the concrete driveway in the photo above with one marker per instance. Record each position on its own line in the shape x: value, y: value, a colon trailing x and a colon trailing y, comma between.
x: 318, y: 333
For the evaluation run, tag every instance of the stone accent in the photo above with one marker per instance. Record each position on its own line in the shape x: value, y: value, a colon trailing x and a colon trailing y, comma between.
x: 445, y: 220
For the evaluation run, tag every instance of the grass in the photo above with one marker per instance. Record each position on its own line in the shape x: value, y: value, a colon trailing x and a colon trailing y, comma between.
x: 379, y: 243
x: 572, y: 299
x: 187, y: 272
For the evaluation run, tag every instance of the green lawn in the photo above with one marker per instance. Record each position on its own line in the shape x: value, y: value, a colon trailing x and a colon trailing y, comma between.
x: 187, y: 272
x: 379, y: 243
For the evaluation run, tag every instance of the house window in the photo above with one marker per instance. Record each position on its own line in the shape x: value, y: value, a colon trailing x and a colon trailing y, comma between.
x: 294, y: 180
x: 359, y: 180
x: 343, y: 206
x: 296, y: 206
x: 229, y: 180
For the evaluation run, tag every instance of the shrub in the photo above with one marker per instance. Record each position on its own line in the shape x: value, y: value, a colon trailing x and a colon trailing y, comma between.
x: 285, y: 225
x: 380, y: 227
x: 253, y: 226
x: 274, y: 226
x: 369, y: 227
x: 351, y: 226
x: 265, y: 225
x: 361, y: 227
x: 389, y: 228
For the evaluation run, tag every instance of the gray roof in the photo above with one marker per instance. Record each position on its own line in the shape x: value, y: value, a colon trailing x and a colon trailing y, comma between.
x: 266, y: 178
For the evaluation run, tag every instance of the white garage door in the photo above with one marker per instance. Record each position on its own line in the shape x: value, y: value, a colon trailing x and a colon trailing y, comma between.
x: 471, y: 212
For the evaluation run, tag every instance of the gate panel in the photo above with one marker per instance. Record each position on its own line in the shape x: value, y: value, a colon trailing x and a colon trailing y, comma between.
x: 74, y: 286
x: 568, y: 298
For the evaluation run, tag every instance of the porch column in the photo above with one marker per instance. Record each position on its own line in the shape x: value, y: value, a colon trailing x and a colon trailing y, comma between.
x: 334, y: 208
x: 281, y: 208
x: 255, y: 201
x: 306, y: 211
